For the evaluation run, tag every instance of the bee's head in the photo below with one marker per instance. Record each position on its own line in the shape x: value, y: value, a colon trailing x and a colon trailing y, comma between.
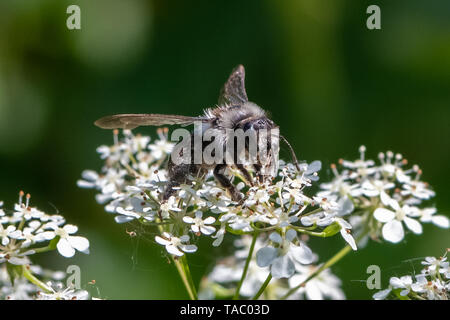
x: 258, y: 124
x: 267, y: 143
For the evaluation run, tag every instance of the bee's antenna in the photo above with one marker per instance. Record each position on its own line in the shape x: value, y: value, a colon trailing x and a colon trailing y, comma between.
x: 294, y: 157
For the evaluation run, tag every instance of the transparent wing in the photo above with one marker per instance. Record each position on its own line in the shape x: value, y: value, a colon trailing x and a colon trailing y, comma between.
x: 131, y: 121
x: 233, y: 92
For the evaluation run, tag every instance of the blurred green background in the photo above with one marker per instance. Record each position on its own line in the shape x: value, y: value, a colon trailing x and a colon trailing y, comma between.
x: 328, y: 81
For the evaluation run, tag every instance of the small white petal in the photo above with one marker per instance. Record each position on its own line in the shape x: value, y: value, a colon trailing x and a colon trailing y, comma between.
x: 79, y: 243
x: 314, y: 166
x: 348, y: 238
x: 346, y: 206
x: 394, y: 204
x: 265, y: 256
x: 291, y: 234
x: 396, y: 282
x: 189, y: 248
x: 123, y: 219
x: 5, y: 241
x: 19, y: 261
x: 162, y: 241
x: 384, y: 215
x: 441, y: 221
x: 393, y: 231
x: 85, y: 184
x: 282, y: 267
x: 70, y: 228
x: 275, y: 237
x: 174, y: 250
x: 313, y: 292
x: 307, y: 221
x: 15, y: 234
x: 302, y: 253
x: 381, y: 295
x: 89, y: 175
x: 385, y: 199
x: 413, y: 225
x: 209, y: 220
x: 188, y: 219
x: 184, y: 238
x: 65, y: 249
x: 47, y: 235
x: 198, y: 214
x: 207, y: 230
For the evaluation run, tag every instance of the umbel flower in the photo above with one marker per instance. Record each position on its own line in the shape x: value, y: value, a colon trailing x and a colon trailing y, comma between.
x: 28, y: 231
x: 432, y: 283
x: 23, y: 289
x: 221, y: 282
x: 387, y: 199
x: 25, y: 232
x: 383, y: 201
x: 133, y: 178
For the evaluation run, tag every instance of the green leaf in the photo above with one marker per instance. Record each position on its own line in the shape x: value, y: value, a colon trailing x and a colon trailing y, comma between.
x: 14, y: 271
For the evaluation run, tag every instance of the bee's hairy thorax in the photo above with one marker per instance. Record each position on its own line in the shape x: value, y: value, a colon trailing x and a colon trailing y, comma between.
x: 232, y: 117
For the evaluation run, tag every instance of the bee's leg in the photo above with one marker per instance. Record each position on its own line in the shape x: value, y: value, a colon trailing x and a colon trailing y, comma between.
x: 225, y: 182
x: 246, y: 174
x: 258, y: 168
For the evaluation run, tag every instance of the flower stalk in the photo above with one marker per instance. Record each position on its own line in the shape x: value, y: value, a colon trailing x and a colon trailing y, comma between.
x: 30, y: 277
x: 247, y: 263
x: 263, y: 287
x: 185, y: 274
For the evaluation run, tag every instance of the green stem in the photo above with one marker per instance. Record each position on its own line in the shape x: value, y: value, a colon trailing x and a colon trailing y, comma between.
x: 263, y: 287
x: 415, y: 295
x: 43, y: 249
x: 183, y: 270
x: 51, y: 246
x: 27, y: 274
x: 185, y: 274
x: 247, y: 263
x: 439, y: 275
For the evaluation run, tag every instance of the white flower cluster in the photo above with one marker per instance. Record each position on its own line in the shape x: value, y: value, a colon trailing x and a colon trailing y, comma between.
x: 27, y: 231
x: 134, y: 177
x: 22, y: 289
x: 433, y: 282
x: 385, y: 197
x: 221, y: 281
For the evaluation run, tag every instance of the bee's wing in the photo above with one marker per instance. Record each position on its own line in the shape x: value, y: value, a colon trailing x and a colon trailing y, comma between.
x: 131, y: 121
x: 233, y: 92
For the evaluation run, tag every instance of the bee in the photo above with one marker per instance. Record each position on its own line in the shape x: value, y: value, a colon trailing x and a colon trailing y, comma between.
x: 233, y: 112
